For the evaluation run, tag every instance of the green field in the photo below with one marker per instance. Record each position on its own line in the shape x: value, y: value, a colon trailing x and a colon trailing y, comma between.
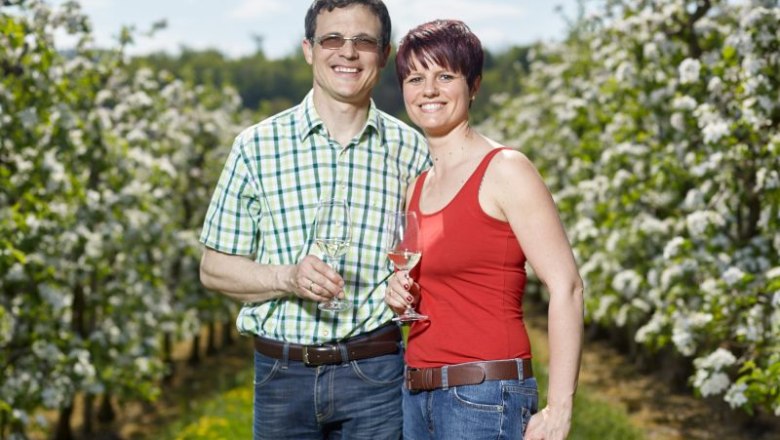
x: 228, y: 414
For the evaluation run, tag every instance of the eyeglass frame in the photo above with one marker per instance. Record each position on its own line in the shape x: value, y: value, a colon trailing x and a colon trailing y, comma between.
x: 354, y: 40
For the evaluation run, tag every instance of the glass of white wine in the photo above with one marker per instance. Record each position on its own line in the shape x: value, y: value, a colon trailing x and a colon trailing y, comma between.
x: 404, y: 250
x: 333, y: 235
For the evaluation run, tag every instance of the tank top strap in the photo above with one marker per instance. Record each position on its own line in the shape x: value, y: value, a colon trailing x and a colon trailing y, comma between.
x: 474, y: 182
x: 414, y: 203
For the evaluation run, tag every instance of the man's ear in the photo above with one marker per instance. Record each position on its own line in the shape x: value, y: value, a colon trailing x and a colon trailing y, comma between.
x: 386, y: 55
x: 308, y: 50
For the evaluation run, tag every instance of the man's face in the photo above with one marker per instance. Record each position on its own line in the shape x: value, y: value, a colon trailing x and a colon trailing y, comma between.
x: 349, y: 73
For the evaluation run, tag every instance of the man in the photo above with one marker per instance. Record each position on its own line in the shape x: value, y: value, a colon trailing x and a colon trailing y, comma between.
x: 318, y: 374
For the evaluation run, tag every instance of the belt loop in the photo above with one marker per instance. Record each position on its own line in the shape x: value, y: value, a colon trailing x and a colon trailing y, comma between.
x: 520, y: 372
x: 344, y: 353
x: 285, y: 355
x: 444, y: 378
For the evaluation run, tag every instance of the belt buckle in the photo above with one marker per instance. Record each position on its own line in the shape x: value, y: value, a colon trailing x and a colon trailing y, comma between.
x: 305, y: 355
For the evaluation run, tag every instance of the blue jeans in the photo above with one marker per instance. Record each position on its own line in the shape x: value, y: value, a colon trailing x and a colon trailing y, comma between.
x: 356, y: 400
x: 494, y: 409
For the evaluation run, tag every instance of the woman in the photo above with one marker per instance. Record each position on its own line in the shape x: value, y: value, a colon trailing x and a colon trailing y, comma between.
x: 484, y: 211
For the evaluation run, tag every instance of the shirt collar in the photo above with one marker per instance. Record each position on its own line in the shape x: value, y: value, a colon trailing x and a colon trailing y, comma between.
x: 311, y: 121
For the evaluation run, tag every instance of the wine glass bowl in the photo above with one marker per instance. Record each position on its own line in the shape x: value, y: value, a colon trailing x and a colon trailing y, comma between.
x: 404, y: 250
x: 333, y: 236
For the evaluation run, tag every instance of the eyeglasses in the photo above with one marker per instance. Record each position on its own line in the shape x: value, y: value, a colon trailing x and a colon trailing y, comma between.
x: 336, y: 42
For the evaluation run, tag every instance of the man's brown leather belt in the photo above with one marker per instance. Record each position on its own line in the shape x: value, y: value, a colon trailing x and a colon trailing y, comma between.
x: 384, y: 340
x: 472, y: 373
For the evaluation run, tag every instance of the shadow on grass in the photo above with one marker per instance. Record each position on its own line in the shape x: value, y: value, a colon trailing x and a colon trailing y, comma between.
x: 228, y: 414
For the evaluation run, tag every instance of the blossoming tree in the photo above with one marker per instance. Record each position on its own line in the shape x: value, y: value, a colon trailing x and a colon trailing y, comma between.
x: 657, y: 126
x: 105, y: 177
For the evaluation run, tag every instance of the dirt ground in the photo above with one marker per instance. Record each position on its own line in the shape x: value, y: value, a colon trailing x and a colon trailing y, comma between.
x: 651, y: 404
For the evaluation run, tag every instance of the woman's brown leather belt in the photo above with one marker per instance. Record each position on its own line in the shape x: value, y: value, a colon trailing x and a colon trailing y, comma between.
x: 472, y: 373
x: 382, y: 341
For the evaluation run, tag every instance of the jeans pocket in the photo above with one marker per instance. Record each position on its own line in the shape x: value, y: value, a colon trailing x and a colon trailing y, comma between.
x: 381, y: 370
x: 524, y: 394
x: 265, y: 369
x: 486, y: 396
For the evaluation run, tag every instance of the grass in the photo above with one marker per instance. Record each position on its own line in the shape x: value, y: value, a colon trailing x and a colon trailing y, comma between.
x: 228, y: 414
x: 594, y: 418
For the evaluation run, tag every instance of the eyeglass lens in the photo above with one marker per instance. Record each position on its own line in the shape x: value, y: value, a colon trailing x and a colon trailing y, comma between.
x: 334, y: 42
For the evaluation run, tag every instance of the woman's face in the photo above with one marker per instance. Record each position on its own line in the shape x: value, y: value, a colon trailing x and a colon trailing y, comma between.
x: 436, y: 98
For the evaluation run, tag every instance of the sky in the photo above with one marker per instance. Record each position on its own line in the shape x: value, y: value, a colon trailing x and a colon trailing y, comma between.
x: 230, y: 25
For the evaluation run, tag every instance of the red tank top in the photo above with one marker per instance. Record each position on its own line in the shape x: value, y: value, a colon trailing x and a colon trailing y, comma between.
x: 472, y: 275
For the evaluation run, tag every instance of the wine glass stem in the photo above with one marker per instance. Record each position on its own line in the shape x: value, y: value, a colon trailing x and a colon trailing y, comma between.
x: 332, y: 262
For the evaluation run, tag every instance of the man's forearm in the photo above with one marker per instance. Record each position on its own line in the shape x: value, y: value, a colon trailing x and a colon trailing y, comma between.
x: 243, y: 279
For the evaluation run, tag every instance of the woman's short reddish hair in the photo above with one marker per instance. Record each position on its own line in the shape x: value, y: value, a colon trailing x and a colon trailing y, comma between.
x: 448, y: 43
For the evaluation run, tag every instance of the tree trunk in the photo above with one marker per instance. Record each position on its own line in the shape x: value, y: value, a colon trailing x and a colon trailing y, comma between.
x: 87, y: 429
x: 227, y: 333
x: 170, y: 366
x: 195, y: 354
x: 63, y: 430
x: 106, y: 413
x: 211, y: 339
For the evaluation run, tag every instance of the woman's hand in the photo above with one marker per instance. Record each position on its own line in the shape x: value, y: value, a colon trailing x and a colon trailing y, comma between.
x: 549, y: 424
x: 401, y: 291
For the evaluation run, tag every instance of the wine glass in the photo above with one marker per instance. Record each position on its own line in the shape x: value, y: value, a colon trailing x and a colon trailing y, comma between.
x: 333, y: 235
x: 404, y: 250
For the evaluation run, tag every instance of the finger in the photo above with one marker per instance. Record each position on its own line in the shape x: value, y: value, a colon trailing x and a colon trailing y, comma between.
x: 307, y: 289
x: 400, y: 297
x: 325, y: 287
x: 331, y: 276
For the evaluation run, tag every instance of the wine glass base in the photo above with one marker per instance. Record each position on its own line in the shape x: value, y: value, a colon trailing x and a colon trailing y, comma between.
x: 334, y: 306
x: 410, y: 317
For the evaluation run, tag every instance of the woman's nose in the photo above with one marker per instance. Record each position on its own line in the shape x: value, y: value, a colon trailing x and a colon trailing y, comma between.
x: 430, y: 89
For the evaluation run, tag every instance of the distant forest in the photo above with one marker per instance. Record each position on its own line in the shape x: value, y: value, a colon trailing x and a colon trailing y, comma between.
x: 267, y: 86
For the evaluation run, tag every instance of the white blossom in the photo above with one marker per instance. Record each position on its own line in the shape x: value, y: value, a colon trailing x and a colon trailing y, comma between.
x: 677, y: 120
x: 733, y: 275
x: 716, y: 86
x: 627, y: 283
x: 683, y: 340
x: 735, y: 396
x: 767, y: 179
x: 714, y: 384
x: 689, y: 71
x: 684, y: 103
x: 673, y: 247
x: 698, y: 222
x: 715, y: 131
x: 653, y: 327
x: 717, y: 360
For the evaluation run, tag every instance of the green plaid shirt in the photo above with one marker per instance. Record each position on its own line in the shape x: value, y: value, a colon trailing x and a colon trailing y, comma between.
x: 265, y: 202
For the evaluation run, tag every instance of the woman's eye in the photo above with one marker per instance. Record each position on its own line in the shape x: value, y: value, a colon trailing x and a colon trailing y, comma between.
x: 414, y: 79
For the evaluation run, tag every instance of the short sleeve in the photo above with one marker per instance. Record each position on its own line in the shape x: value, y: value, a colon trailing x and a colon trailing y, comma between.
x: 231, y: 221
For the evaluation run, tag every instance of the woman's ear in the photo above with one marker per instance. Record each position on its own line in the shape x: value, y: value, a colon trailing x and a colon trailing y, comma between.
x: 474, y: 90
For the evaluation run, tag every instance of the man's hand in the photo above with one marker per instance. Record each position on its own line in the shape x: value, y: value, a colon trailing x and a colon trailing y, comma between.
x: 314, y: 280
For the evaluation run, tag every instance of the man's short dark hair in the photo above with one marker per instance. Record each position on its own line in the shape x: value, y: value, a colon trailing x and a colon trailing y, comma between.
x: 376, y: 6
